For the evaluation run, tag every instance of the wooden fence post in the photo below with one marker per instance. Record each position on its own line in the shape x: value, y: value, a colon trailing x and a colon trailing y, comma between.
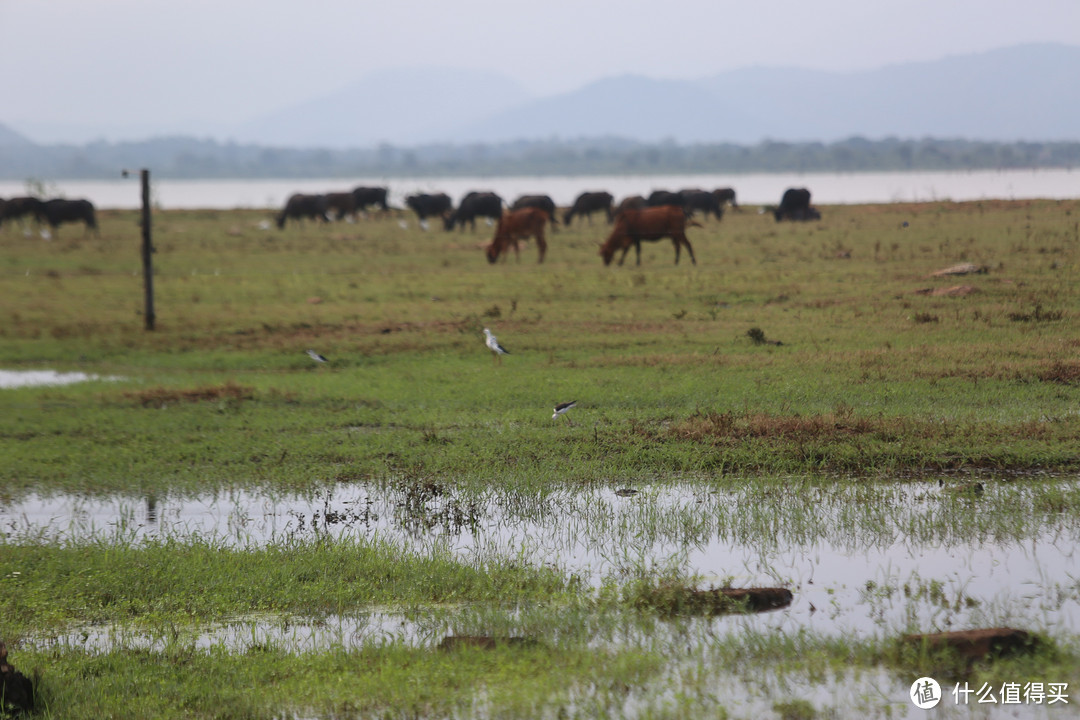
x: 147, y: 252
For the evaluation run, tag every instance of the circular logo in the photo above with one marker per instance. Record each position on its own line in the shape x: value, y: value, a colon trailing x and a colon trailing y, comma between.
x: 925, y: 693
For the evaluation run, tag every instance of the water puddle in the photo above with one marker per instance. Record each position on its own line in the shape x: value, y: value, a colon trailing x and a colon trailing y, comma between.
x: 862, y: 559
x: 34, y: 378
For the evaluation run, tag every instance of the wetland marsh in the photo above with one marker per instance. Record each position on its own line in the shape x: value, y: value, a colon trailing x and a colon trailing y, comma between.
x: 213, y: 525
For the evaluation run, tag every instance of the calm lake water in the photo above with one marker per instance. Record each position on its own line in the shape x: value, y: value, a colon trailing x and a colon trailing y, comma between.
x: 753, y: 189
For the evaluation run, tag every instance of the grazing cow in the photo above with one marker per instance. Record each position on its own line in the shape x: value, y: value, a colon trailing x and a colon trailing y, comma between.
x: 340, y: 204
x: 706, y: 202
x: 515, y: 225
x: 474, y: 205
x: 651, y: 223
x: 795, y: 205
x: 659, y: 198
x: 20, y: 207
x: 426, y: 206
x: 543, y: 202
x: 365, y: 197
x: 725, y: 196
x: 587, y: 203
x: 631, y: 202
x: 56, y: 212
x: 300, y: 206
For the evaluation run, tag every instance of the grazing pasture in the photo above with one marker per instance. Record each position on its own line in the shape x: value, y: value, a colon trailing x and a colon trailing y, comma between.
x: 807, y: 399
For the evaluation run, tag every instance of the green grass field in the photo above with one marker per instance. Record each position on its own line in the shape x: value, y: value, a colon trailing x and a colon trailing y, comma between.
x: 822, y: 351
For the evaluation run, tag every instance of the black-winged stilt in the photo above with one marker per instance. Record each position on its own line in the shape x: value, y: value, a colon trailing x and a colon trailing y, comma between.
x: 561, y: 409
x: 316, y: 356
x: 494, y: 345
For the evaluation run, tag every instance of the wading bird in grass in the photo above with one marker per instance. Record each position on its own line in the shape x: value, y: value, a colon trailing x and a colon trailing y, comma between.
x: 493, y: 344
x: 561, y: 409
x: 316, y: 356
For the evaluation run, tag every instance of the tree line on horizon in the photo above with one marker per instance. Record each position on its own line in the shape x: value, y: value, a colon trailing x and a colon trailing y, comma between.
x: 192, y: 158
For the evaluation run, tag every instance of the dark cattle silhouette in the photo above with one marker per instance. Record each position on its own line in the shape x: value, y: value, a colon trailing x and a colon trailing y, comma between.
x: 59, y: 211
x: 16, y: 690
x: 517, y: 225
x: 795, y: 205
x: 694, y: 200
x: 631, y: 202
x: 542, y: 202
x: 587, y: 203
x: 725, y: 196
x: 648, y: 224
x: 658, y: 198
x: 300, y: 206
x: 17, y: 208
x: 474, y: 205
x: 425, y: 206
x: 365, y: 197
x: 340, y: 204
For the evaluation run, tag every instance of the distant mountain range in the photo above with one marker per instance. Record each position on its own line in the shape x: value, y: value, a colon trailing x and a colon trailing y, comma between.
x: 1026, y: 92
x: 404, y: 106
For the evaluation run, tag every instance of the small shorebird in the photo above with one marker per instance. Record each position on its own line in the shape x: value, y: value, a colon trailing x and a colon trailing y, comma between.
x: 494, y: 345
x: 316, y: 356
x: 561, y: 409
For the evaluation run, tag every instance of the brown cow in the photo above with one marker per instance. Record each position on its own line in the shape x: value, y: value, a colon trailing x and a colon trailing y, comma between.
x: 631, y: 202
x: 651, y: 223
x: 517, y: 225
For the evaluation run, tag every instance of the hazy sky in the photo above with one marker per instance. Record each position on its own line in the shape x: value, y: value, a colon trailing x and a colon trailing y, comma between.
x: 197, y: 65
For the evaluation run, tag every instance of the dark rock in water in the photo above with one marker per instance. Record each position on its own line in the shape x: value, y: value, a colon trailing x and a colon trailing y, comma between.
x: 484, y: 642
x: 16, y: 690
x: 717, y: 601
x: 756, y: 599
x: 988, y: 643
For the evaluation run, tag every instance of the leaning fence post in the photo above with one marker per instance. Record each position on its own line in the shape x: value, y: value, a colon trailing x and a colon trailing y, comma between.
x: 147, y: 252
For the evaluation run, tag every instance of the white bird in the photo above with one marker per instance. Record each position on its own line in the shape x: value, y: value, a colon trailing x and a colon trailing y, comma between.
x: 494, y: 345
x: 561, y: 408
x: 316, y: 356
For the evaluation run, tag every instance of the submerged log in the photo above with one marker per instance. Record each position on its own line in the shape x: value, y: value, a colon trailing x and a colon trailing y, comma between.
x: 725, y: 600
x: 986, y: 643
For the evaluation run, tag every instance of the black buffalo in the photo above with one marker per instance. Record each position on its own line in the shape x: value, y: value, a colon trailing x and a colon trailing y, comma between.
x: 365, y: 197
x: 665, y: 197
x: 589, y: 202
x: 59, y: 211
x: 725, y: 196
x: 340, y: 205
x: 300, y: 206
x: 707, y: 202
x: 426, y: 206
x: 542, y: 202
x: 20, y: 207
x: 474, y: 205
x: 795, y: 205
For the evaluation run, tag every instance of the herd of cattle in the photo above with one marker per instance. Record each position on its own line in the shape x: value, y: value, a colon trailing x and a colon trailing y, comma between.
x: 54, y: 212
x: 635, y: 219
x: 663, y: 214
